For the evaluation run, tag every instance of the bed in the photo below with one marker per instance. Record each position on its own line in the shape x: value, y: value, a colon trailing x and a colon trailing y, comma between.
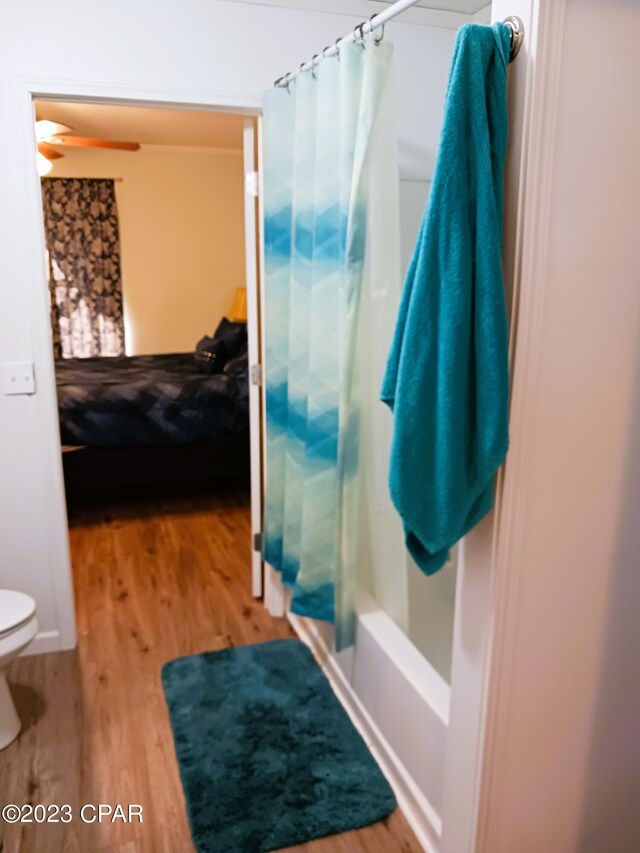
x: 151, y: 418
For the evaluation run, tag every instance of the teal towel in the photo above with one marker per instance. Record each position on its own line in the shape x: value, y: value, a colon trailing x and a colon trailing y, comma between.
x: 446, y: 379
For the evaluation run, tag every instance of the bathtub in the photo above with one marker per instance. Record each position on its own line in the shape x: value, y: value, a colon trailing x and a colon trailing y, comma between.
x: 399, y: 703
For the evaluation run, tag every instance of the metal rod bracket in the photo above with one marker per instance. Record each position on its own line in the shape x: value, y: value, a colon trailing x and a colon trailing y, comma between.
x: 517, y: 35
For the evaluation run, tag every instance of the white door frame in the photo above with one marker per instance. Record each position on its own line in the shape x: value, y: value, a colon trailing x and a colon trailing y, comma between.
x: 531, y: 240
x: 25, y: 89
x: 476, y: 605
x: 251, y: 193
x: 274, y: 593
x: 487, y: 595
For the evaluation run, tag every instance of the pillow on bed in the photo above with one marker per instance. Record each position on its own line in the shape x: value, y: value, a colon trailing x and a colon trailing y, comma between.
x: 234, y: 336
x: 211, y: 355
x: 238, y: 366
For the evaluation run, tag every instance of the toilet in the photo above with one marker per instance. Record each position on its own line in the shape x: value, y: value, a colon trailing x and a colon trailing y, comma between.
x: 18, y: 626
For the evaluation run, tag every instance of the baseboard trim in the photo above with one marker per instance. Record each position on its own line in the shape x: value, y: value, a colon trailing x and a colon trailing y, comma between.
x: 420, y: 814
x: 44, y: 641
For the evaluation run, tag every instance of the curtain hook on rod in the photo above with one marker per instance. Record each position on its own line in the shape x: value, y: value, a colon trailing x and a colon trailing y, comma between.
x: 359, y: 39
x: 376, y: 39
x: 516, y: 28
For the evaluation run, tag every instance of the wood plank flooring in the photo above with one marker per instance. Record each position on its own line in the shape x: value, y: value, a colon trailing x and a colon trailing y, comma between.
x: 156, y: 577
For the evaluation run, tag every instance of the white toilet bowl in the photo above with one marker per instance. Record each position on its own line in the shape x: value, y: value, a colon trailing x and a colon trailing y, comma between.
x: 18, y: 626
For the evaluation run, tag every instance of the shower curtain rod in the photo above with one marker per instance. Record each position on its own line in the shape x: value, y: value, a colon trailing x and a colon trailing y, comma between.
x: 377, y: 21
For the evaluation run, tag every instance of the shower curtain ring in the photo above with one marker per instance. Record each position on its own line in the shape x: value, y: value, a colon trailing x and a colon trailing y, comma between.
x: 283, y: 82
x: 315, y: 59
x: 336, y: 44
x: 359, y: 39
x: 377, y: 40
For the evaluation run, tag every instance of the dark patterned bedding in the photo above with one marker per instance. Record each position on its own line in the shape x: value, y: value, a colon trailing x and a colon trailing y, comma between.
x: 149, y: 400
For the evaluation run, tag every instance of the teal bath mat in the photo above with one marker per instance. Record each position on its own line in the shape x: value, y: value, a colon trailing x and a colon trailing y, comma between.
x: 268, y: 757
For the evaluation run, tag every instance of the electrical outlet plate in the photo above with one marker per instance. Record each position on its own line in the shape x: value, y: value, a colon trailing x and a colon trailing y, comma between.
x: 18, y: 377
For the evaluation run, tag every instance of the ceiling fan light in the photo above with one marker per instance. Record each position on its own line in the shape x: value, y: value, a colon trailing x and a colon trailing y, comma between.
x: 45, y: 128
x: 44, y: 165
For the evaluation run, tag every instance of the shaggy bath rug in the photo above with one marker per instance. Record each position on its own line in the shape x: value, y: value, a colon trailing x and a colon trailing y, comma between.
x: 268, y: 757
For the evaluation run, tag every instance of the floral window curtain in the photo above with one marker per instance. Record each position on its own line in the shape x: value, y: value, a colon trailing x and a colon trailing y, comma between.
x: 318, y: 141
x: 83, y: 248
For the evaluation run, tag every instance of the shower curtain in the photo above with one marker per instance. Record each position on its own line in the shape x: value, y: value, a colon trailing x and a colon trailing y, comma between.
x: 318, y: 139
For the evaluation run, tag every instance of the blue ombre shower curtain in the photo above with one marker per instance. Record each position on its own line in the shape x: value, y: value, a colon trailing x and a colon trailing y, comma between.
x: 318, y: 136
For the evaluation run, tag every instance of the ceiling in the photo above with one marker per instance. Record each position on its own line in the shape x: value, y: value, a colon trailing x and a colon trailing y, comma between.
x: 355, y: 7
x: 467, y: 7
x: 146, y: 125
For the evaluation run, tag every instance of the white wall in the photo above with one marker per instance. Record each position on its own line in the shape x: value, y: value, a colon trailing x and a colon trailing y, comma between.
x: 566, y: 750
x: 181, y: 217
x: 194, y: 52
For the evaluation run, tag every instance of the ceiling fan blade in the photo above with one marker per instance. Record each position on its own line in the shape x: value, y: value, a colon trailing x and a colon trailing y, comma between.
x: 46, y: 128
x: 89, y: 142
x: 49, y: 151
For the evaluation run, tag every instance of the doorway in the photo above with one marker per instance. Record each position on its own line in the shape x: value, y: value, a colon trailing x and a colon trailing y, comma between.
x: 150, y: 219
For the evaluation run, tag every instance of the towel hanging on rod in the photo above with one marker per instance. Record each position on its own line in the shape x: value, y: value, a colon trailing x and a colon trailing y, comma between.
x: 447, y: 376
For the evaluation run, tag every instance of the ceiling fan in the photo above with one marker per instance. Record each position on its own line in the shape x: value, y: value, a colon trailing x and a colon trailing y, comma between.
x: 50, y: 134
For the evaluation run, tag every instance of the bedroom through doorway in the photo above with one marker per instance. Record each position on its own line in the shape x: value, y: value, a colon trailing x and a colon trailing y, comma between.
x: 150, y: 235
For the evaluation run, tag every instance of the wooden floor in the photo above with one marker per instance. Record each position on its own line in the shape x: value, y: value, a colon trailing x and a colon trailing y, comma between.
x: 156, y: 577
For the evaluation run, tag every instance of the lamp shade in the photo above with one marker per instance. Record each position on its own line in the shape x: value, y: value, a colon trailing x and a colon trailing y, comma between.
x: 238, y: 312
